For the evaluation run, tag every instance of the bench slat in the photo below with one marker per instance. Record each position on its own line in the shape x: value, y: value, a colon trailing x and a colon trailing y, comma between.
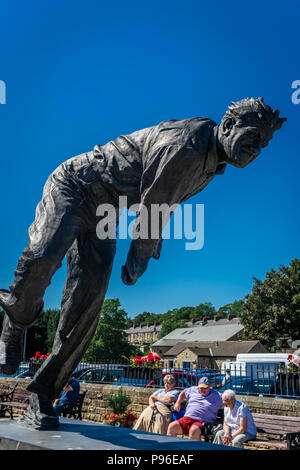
x: 15, y: 404
x: 283, y: 426
x: 295, y: 419
x: 276, y: 424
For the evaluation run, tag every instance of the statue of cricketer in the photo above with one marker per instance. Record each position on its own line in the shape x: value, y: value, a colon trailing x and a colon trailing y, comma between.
x: 164, y: 164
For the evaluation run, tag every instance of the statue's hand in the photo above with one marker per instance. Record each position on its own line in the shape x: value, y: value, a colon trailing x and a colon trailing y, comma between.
x: 126, y: 278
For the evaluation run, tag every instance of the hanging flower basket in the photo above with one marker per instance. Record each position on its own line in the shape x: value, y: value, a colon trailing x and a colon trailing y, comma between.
x: 36, y: 361
x: 151, y: 361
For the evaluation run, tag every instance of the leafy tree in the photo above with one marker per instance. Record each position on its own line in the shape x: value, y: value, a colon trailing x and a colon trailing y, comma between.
x: 110, y: 341
x: 41, y: 335
x: 169, y: 325
x: 205, y: 309
x: 52, y: 323
x: 272, y: 310
x: 235, y: 308
x: 146, y: 317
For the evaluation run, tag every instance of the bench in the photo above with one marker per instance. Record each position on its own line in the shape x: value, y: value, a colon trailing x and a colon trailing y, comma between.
x: 285, y: 429
x: 18, y: 397
x: 73, y: 410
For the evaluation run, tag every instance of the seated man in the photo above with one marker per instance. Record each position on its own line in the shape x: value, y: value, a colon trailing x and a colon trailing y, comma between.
x: 69, y: 395
x: 157, y: 416
x: 203, y: 406
x: 238, y: 426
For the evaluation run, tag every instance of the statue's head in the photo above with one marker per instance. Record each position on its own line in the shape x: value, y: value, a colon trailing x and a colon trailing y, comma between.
x: 246, y: 128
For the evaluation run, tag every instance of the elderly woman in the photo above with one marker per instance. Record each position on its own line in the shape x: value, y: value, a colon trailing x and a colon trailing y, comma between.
x: 157, y: 416
x: 238, y: 425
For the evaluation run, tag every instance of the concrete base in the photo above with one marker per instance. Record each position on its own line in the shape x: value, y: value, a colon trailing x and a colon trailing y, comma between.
x: 83, y: 435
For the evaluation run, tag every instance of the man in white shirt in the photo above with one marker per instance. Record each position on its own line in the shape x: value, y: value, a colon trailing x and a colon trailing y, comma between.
x: 238, y: 425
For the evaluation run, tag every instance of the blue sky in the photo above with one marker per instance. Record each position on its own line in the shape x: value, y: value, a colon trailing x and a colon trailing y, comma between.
x: 82, y: 73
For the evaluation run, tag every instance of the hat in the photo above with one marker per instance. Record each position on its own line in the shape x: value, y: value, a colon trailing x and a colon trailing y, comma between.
x: 204, y: 381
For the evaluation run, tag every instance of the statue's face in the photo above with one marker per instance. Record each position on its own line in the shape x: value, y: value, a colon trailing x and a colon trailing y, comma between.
x: 242, y: 140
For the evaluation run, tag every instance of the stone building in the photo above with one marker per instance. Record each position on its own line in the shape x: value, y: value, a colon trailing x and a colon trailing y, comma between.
x: 196, y: 355
x: 143, y: 334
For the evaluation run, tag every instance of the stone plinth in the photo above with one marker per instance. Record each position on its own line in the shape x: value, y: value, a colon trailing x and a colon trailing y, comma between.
x: 82, y: 435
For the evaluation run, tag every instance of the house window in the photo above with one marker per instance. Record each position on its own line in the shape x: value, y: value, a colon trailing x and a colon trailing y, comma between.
x: 170, y: 364
x: 186, y: 365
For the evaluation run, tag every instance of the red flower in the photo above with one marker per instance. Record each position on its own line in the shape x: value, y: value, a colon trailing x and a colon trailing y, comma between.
x: 150, y: 356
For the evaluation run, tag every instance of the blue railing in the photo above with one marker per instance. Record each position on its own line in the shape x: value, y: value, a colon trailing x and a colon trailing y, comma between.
x: 266, y: 381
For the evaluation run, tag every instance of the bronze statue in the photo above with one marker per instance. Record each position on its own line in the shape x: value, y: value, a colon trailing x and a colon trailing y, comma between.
x: 166, y: 163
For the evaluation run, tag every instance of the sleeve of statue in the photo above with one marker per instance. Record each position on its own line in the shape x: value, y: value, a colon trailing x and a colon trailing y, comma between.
x: 165, y: 183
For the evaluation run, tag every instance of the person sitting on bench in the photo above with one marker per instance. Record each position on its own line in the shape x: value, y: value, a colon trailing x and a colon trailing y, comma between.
x: 238, y: 426
x: 69, y: 394
x: 157, y: 416
x: 203, y: 406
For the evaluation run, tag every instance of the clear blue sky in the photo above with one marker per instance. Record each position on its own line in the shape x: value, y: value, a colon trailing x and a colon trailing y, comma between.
x: 81, y: 73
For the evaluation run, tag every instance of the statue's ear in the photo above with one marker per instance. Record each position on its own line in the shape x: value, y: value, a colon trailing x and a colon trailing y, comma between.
x: 227, y: 125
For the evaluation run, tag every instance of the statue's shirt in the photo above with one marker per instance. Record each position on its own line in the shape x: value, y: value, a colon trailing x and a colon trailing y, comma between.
x: 167, y: 163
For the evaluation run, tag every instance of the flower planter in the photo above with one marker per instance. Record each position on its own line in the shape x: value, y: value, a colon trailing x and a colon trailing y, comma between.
x: 34, y: 367
x: 122, y: 420
x: 36, y: 362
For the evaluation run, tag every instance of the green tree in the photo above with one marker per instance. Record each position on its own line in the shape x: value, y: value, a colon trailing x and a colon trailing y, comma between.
x: 41, y: 335
x: 52, y: 323
x: 205, y: 309
x: 272, y: 310
x: 169, y: 325
x: 110, y: 341
x: 235, y: 308
x: 146, y: 317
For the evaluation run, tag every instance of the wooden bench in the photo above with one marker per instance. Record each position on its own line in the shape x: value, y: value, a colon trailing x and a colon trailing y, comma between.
x: 73, y: 410
x: 285, y: 429
x: 17, y: 398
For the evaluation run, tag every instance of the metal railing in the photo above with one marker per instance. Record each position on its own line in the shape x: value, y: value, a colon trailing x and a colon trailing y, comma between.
x: 244, y: 380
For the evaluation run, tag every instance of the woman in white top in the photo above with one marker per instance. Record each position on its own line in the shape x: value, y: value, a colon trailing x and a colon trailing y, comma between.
x: 157, y: 416
x: 238, y: 425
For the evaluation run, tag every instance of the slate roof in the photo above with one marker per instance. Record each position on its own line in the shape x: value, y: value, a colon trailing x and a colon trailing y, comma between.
x: 143, y: 329
x: 216, y: 348
x: 218, y: 332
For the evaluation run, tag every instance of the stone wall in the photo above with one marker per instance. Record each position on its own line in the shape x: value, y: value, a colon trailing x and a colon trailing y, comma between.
x: 96, y: 400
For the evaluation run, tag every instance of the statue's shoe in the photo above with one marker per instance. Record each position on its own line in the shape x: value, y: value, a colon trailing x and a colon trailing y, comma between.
x: 40, y: 413
x: 11, y: 346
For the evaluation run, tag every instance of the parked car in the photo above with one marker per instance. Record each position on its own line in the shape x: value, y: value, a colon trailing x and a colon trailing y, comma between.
x: 101, y: 374
x: 183, y: 379
x: 133, y: 382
